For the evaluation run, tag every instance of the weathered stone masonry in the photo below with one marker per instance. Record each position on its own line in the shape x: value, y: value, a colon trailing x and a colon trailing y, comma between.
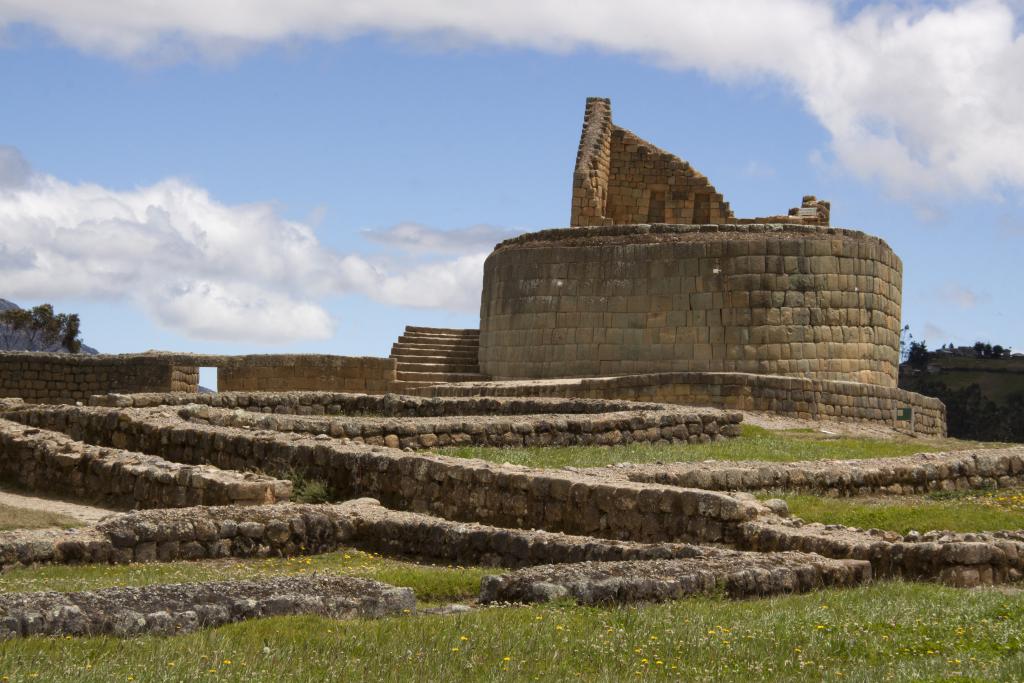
x: 66, y: 378
x: 51, y: 462
x: 453, y: 488
x: 807, y: 301
x: 807, y: 399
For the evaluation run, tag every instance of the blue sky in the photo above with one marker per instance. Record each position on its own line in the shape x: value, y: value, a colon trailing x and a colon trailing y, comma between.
x: 316, y: 182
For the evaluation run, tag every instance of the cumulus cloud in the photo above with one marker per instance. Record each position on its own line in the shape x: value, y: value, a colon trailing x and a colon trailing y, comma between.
x: 201, y: 267
x: 923, y: 97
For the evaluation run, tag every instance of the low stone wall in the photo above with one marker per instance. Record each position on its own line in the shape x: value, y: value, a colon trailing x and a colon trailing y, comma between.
x: 170, y: 609
x: 738, y: 575
x: 808, y: 399
x: 51, y: 462
x: 662, y: 425
x: 388, y: 405
x: 922, y: 473
x: 290, y: 529
x: 66, y: 377
x: 955, y: 559
x: 454, y: 488
x: 310, y: 372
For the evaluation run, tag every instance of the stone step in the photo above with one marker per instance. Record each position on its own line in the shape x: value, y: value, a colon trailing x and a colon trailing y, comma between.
x: 442, y: 331
x: 401, y: 348
x: 441, y: 366
x: 438, y: 377
x: 444, y: 341
x: 400, y: 386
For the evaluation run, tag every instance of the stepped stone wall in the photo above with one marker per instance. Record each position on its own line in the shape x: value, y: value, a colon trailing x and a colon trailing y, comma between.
x: 621, y: 178
x: 792, y: 396
x: 797, y: 300
x: 454, y: 488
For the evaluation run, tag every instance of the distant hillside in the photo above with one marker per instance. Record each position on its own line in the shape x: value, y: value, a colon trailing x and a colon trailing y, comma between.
x: 997, y: 378
x: 984, y: 397
x: 19, y: 341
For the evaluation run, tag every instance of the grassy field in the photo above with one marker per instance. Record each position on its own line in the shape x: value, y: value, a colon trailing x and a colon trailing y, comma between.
x: 20, y: 518
x: 885, y: 631
x: 888, y: 631
x: 968, y: 511
x: 756, y: 444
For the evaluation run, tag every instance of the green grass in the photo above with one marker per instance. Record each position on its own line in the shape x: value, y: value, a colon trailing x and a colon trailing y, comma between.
x: 888, y: 631
x: 22, y: 518
x: 755, y: 443
x: 431, y: 583
x: 968, y: 511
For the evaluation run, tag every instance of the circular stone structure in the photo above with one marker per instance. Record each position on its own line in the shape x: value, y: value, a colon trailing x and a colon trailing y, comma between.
x: 800, y: 300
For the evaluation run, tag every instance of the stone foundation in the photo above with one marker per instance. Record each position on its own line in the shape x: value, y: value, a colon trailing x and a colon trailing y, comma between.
x: 807, y: 399
x: 737, y: 575
x: 50, y: 462
x: 170, y: 609
x: 661, y: 425
x: 454, y: 488
x: 922, y: 473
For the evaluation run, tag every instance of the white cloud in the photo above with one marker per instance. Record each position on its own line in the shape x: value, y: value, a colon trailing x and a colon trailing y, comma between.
x: 924, y: 97
x: 200, y: 267
x: 420, y: 238
x: 961, y: 296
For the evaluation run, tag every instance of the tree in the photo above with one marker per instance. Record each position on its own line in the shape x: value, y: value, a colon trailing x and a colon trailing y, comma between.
x: 906, y: 339
x: 42, y: 328
x: 917, y: 355
x: 979, y: 349
x: 998, y: 351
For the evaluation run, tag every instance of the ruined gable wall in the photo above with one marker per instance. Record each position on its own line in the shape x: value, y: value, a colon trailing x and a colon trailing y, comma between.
x: 590, y: 179
x: 648, y: 185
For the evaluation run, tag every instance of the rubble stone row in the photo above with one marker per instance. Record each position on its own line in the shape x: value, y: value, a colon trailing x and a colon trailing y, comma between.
x: 169, y: 609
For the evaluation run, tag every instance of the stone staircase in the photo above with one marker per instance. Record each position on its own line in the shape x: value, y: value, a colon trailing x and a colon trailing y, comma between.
x: 432, y: 355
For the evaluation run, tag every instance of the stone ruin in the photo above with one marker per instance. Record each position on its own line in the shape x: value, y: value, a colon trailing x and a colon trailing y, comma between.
x: 651, y: 321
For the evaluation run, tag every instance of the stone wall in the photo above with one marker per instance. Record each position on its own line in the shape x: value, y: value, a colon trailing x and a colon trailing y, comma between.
x: 170, y: 609
x: 922, y: 473
x: 807, y: 399
x: 66, y: 378
x: 388, y: 405
x: 413, y: 433
x: 290, y: 529
x: 952, y: 558
x: 797, y: 300
x: 50, y: 462
x: 278, y: 372
x: 621, y: 178
x: 453, y: 488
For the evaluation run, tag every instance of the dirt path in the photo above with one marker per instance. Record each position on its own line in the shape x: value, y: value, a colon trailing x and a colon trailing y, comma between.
x: 84, y: 513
